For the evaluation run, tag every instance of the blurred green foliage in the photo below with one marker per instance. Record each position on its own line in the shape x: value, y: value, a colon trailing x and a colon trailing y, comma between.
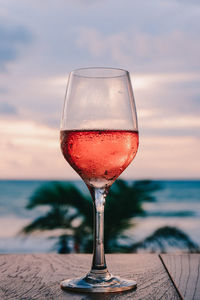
x: 69, y: 207
x: 71, y: 211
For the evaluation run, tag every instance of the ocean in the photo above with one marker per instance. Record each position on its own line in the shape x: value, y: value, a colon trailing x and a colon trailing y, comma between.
x: 177, y: 204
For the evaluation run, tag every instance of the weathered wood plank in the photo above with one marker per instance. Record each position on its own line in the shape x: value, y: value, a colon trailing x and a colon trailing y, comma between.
x: 38, y: 276
x: 185, y: 272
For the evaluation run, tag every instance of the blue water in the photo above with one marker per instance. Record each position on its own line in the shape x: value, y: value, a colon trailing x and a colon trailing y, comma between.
x: 177, y: 204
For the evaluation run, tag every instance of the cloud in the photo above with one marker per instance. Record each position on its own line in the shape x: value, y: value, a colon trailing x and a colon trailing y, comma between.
x: 7, y: 109
x: 3, y: 90
x: 32, y: 150
x: 166, y: 157
x: 157, y: 41
x: 11, y: 38
x: 169, y: 51
x: 170, y: 102
x: 176, y: 123
x: 188, y: 2
x: 164, y: 101
x: 29, y: 149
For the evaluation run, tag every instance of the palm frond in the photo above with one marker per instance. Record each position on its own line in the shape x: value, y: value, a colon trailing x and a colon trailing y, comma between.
x: 123, y: 203
x: 52, y: 220
x: 66, y: 203
x: 57, y: 194
x: 166, y: 238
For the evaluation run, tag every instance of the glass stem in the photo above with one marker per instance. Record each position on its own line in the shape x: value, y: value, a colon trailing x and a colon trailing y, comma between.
x: 99, y: 268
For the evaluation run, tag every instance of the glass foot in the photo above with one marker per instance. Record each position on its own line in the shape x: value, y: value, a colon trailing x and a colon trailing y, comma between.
x: 111, y: 285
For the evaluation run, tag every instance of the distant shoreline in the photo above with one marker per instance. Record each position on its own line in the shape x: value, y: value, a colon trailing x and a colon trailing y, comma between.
x: 79, y: 180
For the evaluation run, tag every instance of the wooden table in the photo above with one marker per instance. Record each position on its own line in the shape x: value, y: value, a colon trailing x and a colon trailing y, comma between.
x: 37, y: 276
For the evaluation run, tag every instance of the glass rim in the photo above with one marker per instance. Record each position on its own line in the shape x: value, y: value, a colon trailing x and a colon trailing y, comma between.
x: 99, y: 72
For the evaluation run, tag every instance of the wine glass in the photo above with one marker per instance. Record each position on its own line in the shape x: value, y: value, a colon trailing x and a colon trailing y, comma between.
x: 99, y: 139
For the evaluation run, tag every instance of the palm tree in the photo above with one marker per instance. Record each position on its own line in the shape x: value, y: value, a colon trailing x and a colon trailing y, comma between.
x: 68, y: 206
x: 123, y: 203
x: 71, y: 211
x: 166, y: 238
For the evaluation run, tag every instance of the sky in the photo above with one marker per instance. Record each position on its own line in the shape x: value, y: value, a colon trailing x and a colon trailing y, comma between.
x: 157, y: 41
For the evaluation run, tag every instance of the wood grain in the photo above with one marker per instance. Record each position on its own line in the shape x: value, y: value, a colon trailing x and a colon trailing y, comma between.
x: 185, y: 272
x: 38, y: 276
